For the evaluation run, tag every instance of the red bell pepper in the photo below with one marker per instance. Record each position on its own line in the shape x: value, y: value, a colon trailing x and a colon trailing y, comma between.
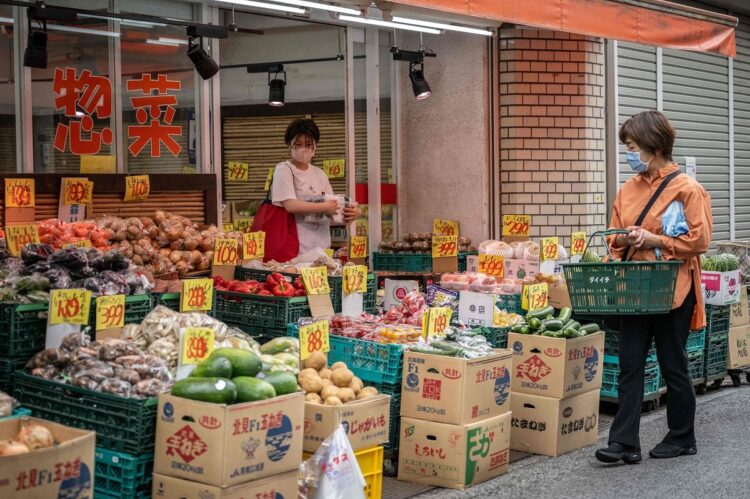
x: 264, y: 292
x: 283, y: 289
x: 300, y: 292
x: 298, y: 284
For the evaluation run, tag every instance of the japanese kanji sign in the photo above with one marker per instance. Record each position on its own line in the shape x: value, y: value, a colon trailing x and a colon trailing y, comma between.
x: 69, y: 306
x: 154, y: 113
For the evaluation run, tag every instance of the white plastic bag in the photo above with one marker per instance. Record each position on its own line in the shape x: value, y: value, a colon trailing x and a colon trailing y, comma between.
x: 333, y: 472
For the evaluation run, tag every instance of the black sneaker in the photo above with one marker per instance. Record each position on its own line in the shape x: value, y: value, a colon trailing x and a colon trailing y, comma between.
x: 618, y: 452
x: 666, y: 451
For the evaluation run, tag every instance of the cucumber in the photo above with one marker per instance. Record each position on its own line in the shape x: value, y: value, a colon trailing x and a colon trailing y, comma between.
x: 244, y: 362
x: 213, y: 390
x: 282, y: 382
x: 517, y: 328
x: 278, y: 345
x: 252, y: 389
x: 572, y: 333
x: 589, y: 329
x: 524, y: 330
x: 213, y: 367
x: 535, y: 324
x: 565, y: 314
x: 541, y: 313
x: 573, y: 325
x: 553, y: 325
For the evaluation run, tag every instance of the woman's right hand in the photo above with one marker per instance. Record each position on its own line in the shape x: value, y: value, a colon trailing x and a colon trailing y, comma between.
x: 635, y: 237
x: 330, y: 208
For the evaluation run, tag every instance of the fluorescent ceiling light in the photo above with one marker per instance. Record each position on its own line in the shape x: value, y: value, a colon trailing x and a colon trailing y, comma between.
x: 322, y: 6
x: 388, y: 24
x: 170, y: 42
x: 71, y: 29
x: 6, y: 20
x: 263, y: 5
x: 125, y: 22
x: 447, y: 27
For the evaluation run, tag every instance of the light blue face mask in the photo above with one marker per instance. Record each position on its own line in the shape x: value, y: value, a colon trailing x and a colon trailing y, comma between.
x: 634, y: 160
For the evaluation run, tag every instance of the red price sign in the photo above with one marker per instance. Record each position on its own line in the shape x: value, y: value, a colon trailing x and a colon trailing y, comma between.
x: 550, y: 248
x: 577, y: 243
x: 313, y: 338
x: 18, y: 236
x: 445, y: 227
x: 77, y: 191
x: 69, y: 306
x: 110, y: 312
x: 444, y: 246
x: 238, y: 172
x: 137, y: 187
x: 197, y: 295
x: 516, y: 225
x: 253, y: 245
x: 226, y: 252
x: 492, y: 265
x: 19, y: 192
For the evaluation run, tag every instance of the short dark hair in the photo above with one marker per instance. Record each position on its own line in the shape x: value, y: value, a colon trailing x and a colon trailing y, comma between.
x: 652, y: 131
x: 302, y: 126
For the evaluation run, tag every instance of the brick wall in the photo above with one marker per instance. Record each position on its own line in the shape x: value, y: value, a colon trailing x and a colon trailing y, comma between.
x: 552, y: 157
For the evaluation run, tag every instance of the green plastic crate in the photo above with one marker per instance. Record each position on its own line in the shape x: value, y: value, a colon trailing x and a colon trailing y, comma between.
x: 496, y: 336
x: 169, y: 300
x: 510, y: 303
x: 716, y: 355
x: 121, y: 424
x: 245, y: 274
x: 611, y: 374
x: 259, y: 332
x: 368, y: 300
x: 696, y: 341
x: 612, y: 346
x: 394, y: 433
x: 8, y: 367
x: 136, y: 308
x: 17, y: 413
x: 717, y: 320
x: 122, y: 475
x: 410, y: 262
x: 259, y: 311
x: 696, y: 367
x: 463, y: 261
x: 23, y: 329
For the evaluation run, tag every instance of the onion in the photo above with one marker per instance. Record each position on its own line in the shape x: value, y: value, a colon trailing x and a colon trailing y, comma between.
x: 207, y: 244
x: 182, y: 267
x: 36, y: 436
x: 195, y: 257
x: 11, y: 448
x: 160, y: 216
x: 204, y: 264
x: 175, y: 256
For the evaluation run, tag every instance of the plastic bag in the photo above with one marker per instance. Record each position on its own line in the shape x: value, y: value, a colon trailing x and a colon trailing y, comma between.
x: 333, y: 472
x: 673, y: 223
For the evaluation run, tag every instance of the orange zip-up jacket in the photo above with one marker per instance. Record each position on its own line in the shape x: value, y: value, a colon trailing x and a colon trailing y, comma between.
x: 630, y: 202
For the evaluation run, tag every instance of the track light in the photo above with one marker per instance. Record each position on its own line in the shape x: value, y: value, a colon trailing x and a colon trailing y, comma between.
x: 35, y: 55
x: 276, y: 86
x: 204, y: 65
x: 418, y: 83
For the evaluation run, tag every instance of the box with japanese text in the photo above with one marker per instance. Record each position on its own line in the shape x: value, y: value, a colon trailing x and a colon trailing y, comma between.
x: 224, y: 445
x: 367, y: 422
x: 721, y: 288
x: 455, y: 390
x: 740, y: 313
x: 282, y: 486
x: 739, y: 347
x: 556, y: 367
x: 476, y: 309
x: 454, y: 456
x: 65, y: 470
x: 550, y: 426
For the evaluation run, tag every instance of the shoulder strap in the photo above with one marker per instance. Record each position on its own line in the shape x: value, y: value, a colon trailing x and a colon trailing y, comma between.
x: 270, y: 184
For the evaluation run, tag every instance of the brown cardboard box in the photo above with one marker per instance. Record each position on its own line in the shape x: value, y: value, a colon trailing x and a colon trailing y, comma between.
x: 549, y: 426
x: 454, y: 456
x: 556, y: 367
x: 282, y: 486
x: 739, y: 347
x: 224, y: 445
x: 367, y: 422
x: 740, y: 313
x: 65, y: 470
x: 455, y: 390
x: 558, y: 295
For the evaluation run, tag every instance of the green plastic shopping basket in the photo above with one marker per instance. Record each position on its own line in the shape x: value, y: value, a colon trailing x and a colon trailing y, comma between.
x: 621, y: 288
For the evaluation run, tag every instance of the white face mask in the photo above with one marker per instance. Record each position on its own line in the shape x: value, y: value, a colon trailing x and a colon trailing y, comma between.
x: 303, y: 154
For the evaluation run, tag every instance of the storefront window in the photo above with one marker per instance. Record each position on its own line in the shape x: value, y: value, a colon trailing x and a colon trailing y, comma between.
x: 7, y: 93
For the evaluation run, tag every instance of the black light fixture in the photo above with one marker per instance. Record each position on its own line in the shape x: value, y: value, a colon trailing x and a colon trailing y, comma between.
x: 35, y: 54
x: 276, y: 86
x: 204, y: 64
x: 415, y: 58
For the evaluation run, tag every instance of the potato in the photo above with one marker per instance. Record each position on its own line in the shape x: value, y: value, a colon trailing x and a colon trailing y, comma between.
x: 317, y: 361
x: 339, y: 365
x: 342, y: 377
x: 325, y: 373
x: 311, y: 383
x: 367, y: 392
x: 347, y: 395
x: 329, y: 391
x: 333, y: 401
x: 356, y: 385
x: 327, y: 382
x: 308, y: 370
x: 314, y: 398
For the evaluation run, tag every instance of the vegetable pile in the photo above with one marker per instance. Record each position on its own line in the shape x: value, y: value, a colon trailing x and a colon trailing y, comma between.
x: 421, y: 243
x: 31, y: 437
x: 543, y: 322
x: 465, y: 344
x: 720, y: 263
x: 332, y: 386
x: 275, y: 285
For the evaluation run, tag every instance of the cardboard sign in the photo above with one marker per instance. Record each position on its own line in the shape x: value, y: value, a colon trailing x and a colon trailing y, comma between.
x: 492, y: 265
x: 196, y: 344
x: 444, y: 246
x: 316, y: 280
x: 577, y: 243
x: 269, y: 179
x: 476, y: 309
x: 69, y: 306
x: 197, y: 295
x: 18, y: 236
x: 91, y: 163
x: 253, y: 245
x: 243, y: 224
x: 549, y: 250
x: 739, y: 347
x: 277, y: 486
x: 238, y: 171
x: 110, y: 312
x: 226, y: 252
x: 137, y: 187
x: 77, y: 191
x: 535, y: 296
x: 358, y: 248
x: 19, y: 193
x: 445, y: 227
x: 334, y: 168
x: 367, y: 422
x: 84, y: 243
x: 313, y: 338
x: 516, y: 225
x: 354, y: 279
x: 436, y: 320
x: 740, y: 313
x: 227, y: 227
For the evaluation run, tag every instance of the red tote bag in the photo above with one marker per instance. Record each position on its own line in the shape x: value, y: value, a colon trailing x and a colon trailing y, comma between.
x: 282, y: 243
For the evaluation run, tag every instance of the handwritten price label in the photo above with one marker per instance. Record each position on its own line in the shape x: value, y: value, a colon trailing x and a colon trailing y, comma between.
x: 19, y: 193
x: 313, y: 338
x: 355, y: 279
x: 243, y: 224
x: 18, y: 236
x: 226, y: 252
x: 84, y: 243
x: 137, y: 187
x: 445, y: 227
x: 110, y: 312
x: 227, y: 227
x: 269, y: 179
x: 334, y: 168
x: 444, y: 246
x: 577, y: 243
x: 197, y: 295
x: 253, y: 245
x: 329, y: 252
x: 197, y: 345
x: 69, y: 306
x: 77, y: 191
x: 238, y: 172
x: 550, y: 250
x: 358, y: 247
x: 516, y: 225
x: 436, y: 321
x: 315, y: 280
x: 492, y: 265
x: 535, y: 296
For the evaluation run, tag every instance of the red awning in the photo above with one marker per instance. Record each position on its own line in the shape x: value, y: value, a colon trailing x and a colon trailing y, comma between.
x: 651, y: 22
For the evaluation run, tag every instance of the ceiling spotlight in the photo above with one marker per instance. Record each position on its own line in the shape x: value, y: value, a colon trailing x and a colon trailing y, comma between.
x: 203, y: 63
x: 35, y: 55
x: 276, y: 86
x: 418, y: 83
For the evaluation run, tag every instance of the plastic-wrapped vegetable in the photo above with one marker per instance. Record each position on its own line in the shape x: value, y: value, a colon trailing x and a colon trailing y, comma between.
x: 113, y: 348
x: 33, y: 253
x: 59, y: 278
x: 112, y: 260
x: 34, y: 268
x: 70, y: 258
x: 117, y: 387
x: 74, y: 341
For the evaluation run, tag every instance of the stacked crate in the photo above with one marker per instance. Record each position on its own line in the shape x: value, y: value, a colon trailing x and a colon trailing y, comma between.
x: 717, y: 341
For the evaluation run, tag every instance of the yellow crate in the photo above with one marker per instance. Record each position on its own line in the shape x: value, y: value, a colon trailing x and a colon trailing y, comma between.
x: 371, y: 464
x: 374, y: 486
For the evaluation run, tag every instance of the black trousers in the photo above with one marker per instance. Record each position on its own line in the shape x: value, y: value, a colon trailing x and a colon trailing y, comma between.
x: 670, y: 331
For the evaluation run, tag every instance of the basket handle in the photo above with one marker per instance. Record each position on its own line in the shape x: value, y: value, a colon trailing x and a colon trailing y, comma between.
x: 604, y: 234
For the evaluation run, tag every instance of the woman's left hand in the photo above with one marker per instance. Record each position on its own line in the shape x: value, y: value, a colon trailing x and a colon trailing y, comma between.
x: 645, y: 239
x: 351, y: 213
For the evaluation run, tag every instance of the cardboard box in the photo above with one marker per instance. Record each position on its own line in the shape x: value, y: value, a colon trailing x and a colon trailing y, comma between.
x: 225, y: 445
x: 455, y: 390
x: 740, y: 313
x: 282, y: 486
x: 739, y: 347
x: 472, y: 264
x: 558, y: 295
x: 550, y: 426
x: 454, y: 456
x: 556, y: 367
x: 65, y: 470
x: 366, y: 422
x: 721, y: 288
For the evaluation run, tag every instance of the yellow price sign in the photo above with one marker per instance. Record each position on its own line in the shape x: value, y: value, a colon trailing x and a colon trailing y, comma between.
x: 492, y: 265
x: 227, y: 227
x: 197, y: 295
x: 358, y: 247
x: 137, y: 187
x: 84, y: 243
x: 77, y: 191
x: 243, y: 224
x: 238, y: 171
x: 110, y: 312
x: 269, y: 179
x: 577, y: 243
x: 18, y: 236
x: 316, y: 280
x: 69, y: 306
x: 253, y: 245
x: 444, y: 246
x: 550, y: 248
x: 535, y: 296
x: 436, y: 320
x: 516, y: 225
x: 445, y: 227
x: 329, y: 252
x: 313, y: 338
x: 19, y: 193
x: 226, y: 252
x: 197, y: 344
x: 334, y: 168
x: 97, y: 164
x: 354, y: 279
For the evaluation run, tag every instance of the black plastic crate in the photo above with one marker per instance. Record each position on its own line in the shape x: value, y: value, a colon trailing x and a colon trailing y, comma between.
x: 717, y: 320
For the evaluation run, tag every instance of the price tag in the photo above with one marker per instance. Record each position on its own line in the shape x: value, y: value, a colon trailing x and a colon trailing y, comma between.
x: 550, y: 248
x: 69, y: 306
x: 77, y: 191
x: 243, y: 224
x: 19, y: 193
x: 358, y: 247
x: 334, y: 168
x: 535, y: 296
x: 436, y: 320
x: 577, y: 243
x: 253, y: 245
x: 492, y: 265
x: 84, y: 243
x: 226, y: 252
x: 110, y: 312
x: 228, y: 227
x: 355, y: 279
x: 18, y: 236
x: 445, y: 227
x: 197, y: 295
x: 137, y: 187
x: 238, y: 171
x: 516, y: 225
x: 316, y: 280
x: 197, y: 344
x: 444, y: 246
x: 269, y: 178
x: 313, y: 338
x: 97, y: 164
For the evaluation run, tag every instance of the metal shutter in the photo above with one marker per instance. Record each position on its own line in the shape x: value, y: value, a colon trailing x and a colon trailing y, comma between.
x: 742, y: 131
